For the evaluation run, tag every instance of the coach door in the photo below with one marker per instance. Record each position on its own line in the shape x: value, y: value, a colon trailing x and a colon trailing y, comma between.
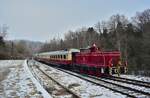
x: 74, y: 57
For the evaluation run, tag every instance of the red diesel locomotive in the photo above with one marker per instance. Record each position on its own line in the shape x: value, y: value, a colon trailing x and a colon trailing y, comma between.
x: 86, y: 61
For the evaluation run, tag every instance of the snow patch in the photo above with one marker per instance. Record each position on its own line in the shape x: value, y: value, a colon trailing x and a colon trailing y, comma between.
x: 37, y: 84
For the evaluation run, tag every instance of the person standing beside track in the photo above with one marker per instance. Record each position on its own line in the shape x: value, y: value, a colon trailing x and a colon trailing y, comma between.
x: 118, y: 67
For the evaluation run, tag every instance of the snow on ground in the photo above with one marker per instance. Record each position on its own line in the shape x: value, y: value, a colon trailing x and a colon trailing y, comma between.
x: 141, y: 78
x: 9, y: 63
x: 53, y: 88
x: 145, y: 89
x: 83, y: 88
x: 35, y: 81
x: 14, y: 82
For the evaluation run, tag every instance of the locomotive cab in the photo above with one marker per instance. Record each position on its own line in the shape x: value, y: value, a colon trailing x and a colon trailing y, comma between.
x: 96, y: 62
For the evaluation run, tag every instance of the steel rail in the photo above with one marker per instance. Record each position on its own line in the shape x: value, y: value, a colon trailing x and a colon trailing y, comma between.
x: 68, y: 90
x: 89, y: 79
x: 117, y: 90
x: 129, y: 81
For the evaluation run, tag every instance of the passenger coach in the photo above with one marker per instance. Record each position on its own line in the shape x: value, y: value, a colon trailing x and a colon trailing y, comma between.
x: 60, y: 57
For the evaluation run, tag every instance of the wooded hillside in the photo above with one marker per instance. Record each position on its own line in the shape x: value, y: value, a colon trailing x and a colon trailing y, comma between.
x: 130, y: 36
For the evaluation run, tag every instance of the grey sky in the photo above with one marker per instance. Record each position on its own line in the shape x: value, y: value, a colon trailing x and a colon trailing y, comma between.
x: 42, y: 20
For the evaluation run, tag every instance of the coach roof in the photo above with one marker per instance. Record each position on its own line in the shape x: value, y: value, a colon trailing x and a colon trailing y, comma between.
x: 61, y: 52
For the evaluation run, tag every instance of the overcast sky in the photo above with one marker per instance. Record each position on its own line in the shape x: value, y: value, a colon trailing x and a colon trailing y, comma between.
x: 41, y: 20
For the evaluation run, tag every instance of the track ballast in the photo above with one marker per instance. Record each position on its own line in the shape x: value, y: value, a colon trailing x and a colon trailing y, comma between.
x: 125, y: 90
x: 74, y: 95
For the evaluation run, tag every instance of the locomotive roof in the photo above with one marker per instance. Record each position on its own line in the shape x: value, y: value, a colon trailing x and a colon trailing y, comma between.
x: 61, y: 52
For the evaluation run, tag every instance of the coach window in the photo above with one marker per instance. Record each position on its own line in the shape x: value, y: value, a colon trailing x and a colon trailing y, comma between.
x: 61, y: 56
x: 64, y: 56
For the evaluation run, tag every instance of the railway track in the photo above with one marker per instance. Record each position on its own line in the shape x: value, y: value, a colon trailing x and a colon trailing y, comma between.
x: 131, y: 92
x: 129, y: 81
x: 125, y: 90
x: 68, y: 91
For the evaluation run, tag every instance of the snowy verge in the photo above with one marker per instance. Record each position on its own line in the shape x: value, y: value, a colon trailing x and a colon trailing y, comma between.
x: 37, y: 84
x: 10, y: 63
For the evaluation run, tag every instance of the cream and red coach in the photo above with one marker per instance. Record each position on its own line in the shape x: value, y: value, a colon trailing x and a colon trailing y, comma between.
x: 88, y: 61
